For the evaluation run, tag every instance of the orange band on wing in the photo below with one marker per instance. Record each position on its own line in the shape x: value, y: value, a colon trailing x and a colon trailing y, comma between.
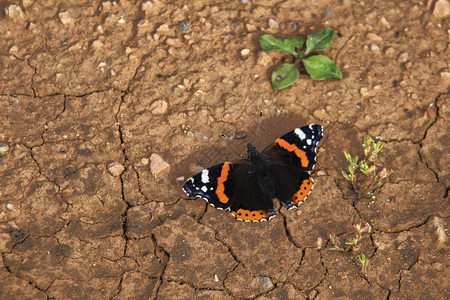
x: 220, y: 191
x: 303, y: 192
x: 292, y: 148
x: 250, y: 215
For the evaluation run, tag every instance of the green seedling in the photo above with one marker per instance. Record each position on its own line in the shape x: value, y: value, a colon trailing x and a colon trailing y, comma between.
x: 319, y: 67
x: 367, y: 175
x: 352, y: 246
x: 364, y: 263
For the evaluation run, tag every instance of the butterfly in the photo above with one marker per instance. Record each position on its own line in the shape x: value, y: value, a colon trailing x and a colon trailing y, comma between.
x: 248, y: 187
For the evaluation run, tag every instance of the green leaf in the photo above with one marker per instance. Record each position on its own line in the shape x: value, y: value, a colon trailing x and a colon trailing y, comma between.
x: 284, y: 75
x: 367, y: 141
x: 351, y: 170
x: 298, y: 42
x: 319, y: 40
x: 320, y: 67
x: 268, y: 43
x: 348, y: 156
x: 346, y: 176
x: 370, y: 169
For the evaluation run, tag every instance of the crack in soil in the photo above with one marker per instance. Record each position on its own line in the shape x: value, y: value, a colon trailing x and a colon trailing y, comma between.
x: 288, y: 234
x: 30, y: 283
x: 161, y: 274
x: 401, y: 273
x: 324, y: 275
x: 409, y: 228
x: 422, y: 159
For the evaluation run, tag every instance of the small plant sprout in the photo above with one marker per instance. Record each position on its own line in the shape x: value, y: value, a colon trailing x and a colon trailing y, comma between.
x: 319, y: 67
x: 367, y: 175
x: 364, y: 263
x: 353, y: 245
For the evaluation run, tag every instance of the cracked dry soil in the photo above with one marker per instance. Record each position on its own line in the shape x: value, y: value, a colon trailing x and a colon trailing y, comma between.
x: 86, y: 85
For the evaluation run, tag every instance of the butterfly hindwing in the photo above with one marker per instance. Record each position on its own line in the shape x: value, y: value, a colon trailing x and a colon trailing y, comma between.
x: 251, y: 198
x: 290, y: 181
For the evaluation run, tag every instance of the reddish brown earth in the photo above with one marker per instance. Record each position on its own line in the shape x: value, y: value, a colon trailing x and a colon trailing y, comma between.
x: 106, y: 107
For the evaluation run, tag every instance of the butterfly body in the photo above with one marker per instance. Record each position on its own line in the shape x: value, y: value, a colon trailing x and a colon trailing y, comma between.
x: 248, y: 187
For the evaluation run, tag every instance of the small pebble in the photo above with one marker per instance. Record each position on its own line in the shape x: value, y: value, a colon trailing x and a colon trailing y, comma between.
x: 245, y: 52
x: 250, y: 27
x: 363, y: 91
x: 445, y: 76
x: 441, y: 9
x: 265, y: 282
x: 319, y: 243
x: 273, y: 24
x: 164, y: 29
x: 14, y: 49
x: 115, y: 169
x: 157, y: 164
x: 14, y: 11
x: 145, y: 161
x: 374, y: 37
x: 158, y: 107
x: 65, y: 18
x: 204, y: 138
x: 403, y: 57
x: 385, y: 23
x: 374, y: 47
x: 3, y: 148
x: 184, y: 26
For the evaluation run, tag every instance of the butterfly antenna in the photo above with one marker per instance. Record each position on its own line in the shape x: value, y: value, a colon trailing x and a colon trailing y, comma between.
x: 257, y: 128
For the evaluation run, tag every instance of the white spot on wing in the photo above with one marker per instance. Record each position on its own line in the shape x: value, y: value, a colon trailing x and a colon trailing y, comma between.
x: 300, y: 133
x: 204, y: 189
x: 205, y: 176
x: 308, y: 141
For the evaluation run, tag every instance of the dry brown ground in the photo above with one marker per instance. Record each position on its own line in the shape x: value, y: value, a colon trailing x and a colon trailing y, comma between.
x: 87, y: 87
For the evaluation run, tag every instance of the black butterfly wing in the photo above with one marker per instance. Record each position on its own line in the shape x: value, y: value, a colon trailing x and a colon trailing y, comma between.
x: 209, y: 185
x: 251, y: 199
x: 234, y: 187
x: 299, y: 145
x: 292, y: 158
